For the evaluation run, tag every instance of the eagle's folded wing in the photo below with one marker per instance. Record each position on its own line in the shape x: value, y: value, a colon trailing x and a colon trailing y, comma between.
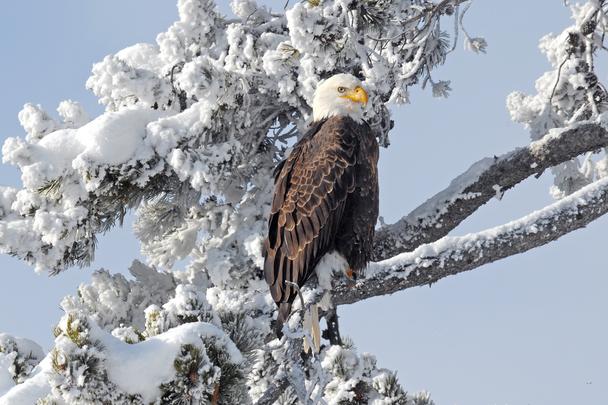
x: 311, y: 189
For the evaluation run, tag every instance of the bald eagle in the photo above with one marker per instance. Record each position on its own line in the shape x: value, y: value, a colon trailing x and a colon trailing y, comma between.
x: 326, y: 194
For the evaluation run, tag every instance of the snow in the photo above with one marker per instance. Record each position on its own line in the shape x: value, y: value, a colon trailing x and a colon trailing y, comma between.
x: 113, y: 300
x: 6, y: 379
x: 438, y: 204
x: 430, y: 210
x: 128, y: 78
x: 7, y: 196
x: 34, y: 388
x: 141, y: 368
x: 498, y: 192
x: 13, y: 349
x: 111, y: 139
x: 72, y: 114
x: 476, y: 45
x: 567, y: 95
x: 450, y: 245
x: 36, y: 121
x: 337, y: 356
x: 135, y: 368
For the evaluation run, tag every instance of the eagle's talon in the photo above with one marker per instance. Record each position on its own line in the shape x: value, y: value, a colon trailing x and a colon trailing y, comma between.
x: 351, y: 278
x: 350, y: 274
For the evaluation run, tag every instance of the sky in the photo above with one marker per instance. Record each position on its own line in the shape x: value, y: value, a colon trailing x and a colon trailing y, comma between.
x: 529, y: 329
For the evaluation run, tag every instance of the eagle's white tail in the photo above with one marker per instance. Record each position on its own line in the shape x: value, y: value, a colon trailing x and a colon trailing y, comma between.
x: 311, y: 323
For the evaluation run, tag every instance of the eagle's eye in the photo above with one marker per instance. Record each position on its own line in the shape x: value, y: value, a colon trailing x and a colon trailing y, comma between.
x: 341, y: 89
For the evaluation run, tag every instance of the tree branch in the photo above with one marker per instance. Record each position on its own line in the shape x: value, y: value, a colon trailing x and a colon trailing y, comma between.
x: 273, y: 393
x: 453, y: 255
x: 486, y: 179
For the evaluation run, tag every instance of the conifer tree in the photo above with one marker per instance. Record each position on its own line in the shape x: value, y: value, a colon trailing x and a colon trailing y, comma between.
x: 193, y: 127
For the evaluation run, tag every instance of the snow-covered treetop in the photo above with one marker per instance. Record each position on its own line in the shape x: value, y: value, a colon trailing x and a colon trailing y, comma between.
x: 195, y: 123
x: 568, y: 93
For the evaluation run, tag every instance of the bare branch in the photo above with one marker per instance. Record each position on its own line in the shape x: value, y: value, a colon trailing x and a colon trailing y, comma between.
x: 453, y: 255
x: 486, y: 179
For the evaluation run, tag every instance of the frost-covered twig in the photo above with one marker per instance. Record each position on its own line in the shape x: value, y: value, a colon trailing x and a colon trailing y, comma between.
x: 296, y: 374
x: 274, y: 391
x: 453, y: 255
x: 440, y: 214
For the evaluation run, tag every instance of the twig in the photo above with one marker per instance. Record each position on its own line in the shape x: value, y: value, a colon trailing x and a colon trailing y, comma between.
x: 273, y: 393
x: 559, y: 72
x: 297, y: 288
x: 181, y: 95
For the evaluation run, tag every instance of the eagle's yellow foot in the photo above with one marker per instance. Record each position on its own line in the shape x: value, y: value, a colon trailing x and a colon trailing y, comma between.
x: 350, y: 274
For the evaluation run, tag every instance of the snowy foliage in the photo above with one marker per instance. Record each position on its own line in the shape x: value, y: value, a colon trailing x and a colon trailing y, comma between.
x: 193, y: 126
x: 570, y: 92
x: 18, y: 357
x: 195, y: 123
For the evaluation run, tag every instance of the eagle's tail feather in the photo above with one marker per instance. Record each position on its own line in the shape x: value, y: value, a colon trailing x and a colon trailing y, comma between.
x: 311, y: 324
x: 316, y: 328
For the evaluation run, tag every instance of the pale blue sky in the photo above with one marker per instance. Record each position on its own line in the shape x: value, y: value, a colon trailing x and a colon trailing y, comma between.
x: 530, y: 329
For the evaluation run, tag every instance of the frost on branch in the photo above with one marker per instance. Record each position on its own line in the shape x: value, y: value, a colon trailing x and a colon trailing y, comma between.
x: 569, y: 93
x: 111, y: 299
x: 558, y: 142
x: 356, y: 379
x: 88, y: 365
x: 18, y: 357
x: 195, y: 123
x: 193, y: 127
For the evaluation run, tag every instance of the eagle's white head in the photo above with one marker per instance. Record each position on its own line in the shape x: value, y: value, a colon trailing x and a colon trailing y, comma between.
x: 340, y: 95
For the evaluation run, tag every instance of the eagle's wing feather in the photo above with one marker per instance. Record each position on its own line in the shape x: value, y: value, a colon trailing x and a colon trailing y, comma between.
x: 311, y: 189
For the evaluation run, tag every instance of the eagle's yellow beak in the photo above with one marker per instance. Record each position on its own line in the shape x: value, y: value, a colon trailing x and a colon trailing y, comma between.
x: 358, y: 95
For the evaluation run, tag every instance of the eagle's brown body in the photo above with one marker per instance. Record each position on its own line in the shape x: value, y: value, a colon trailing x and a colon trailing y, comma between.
x: 325, y: 198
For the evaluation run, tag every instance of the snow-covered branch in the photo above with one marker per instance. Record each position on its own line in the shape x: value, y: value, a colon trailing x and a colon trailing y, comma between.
x: 484, y: 180
x: 452, y: 255
x: 274, y: 392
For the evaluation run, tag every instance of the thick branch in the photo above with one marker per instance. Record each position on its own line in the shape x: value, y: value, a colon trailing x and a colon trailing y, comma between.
x: 486, y: 179
x: 453, y: 255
